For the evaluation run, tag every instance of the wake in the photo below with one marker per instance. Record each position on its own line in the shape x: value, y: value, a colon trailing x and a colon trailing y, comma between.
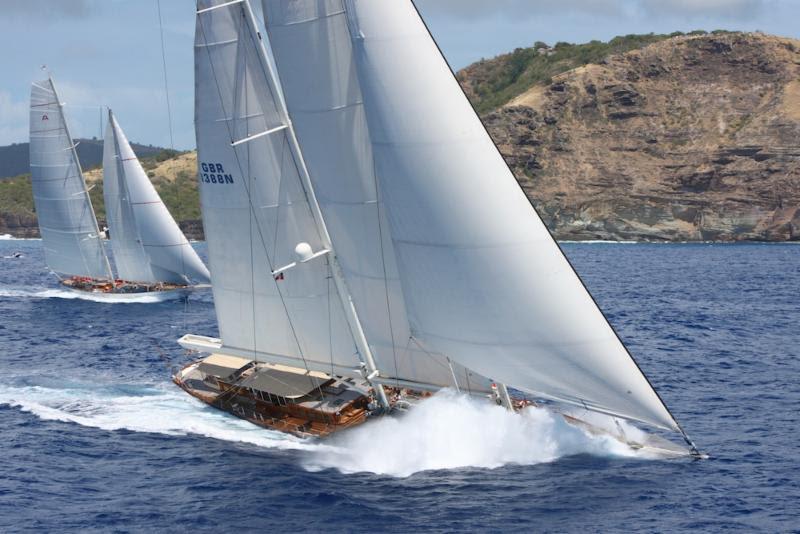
x: 161, y: 409
x: 72, y: 295
x: 9, y: 237
x: 446, y: 431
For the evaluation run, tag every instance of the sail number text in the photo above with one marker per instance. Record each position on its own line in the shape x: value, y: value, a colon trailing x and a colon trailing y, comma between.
x: 213, y: 173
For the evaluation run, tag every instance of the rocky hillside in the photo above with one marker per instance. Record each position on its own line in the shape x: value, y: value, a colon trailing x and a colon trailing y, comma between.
x: 646, y: 137
x: 690, y: 138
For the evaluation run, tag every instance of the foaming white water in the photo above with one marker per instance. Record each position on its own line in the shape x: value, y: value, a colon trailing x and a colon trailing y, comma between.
x: 450, y: 431
x: 9, y: 237
x: 161, y: 410
x: 109, y: 298
x: 135, y: 298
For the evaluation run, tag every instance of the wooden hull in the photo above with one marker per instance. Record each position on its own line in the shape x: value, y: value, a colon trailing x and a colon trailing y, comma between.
x: 294, y: 419
x: 125, y: 291
x: 305, y: 419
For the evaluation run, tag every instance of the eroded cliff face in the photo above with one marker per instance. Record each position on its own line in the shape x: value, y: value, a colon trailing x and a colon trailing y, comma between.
x: 693, y: 138
x: 690, y: 138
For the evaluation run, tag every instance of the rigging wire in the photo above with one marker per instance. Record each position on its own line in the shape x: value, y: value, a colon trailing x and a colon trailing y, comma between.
x: 385, y: 277
x: 166, y: 81
x: 253, y: 210
x: 176, y: 182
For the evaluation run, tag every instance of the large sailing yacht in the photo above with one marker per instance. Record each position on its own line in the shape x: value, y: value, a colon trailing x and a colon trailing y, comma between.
x: 151, y: 254
x: 369, y: 244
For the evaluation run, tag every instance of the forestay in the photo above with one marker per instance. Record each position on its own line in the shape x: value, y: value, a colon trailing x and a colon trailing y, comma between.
x: 72, y: 242
x: 147, y: 242
x: 255, y: 210
x: 484, y: 282
x: 311, y: 45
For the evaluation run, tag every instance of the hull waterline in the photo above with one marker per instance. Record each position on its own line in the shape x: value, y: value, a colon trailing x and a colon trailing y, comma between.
x: 121, y: 291
x: 232, y: 395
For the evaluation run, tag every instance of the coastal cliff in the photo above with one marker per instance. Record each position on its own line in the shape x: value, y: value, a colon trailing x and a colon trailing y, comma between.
x: 647, y: 137
x: 690, y: 138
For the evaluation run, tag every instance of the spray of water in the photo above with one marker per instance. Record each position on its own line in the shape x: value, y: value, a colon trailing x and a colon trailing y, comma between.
x: 450, y: 431
x: 447, y: 431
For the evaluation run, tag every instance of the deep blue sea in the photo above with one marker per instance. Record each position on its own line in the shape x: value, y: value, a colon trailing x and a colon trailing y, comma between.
x: 95, y: 438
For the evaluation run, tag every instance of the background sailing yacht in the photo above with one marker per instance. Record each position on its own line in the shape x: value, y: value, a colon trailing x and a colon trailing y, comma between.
x: 151, y: 253
x: 378, y: 236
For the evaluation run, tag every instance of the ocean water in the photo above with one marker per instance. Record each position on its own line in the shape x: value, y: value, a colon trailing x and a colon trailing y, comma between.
x: 95, y: 438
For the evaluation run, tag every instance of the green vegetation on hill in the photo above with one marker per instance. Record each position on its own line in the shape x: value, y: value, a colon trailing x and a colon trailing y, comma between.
x: 180, y: 194
x: 16, y: 196
x: 496, y: 81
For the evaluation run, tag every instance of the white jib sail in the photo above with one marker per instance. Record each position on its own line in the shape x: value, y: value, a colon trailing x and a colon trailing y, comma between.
x: 311, y: 45
x: 72, y: 242
x: 484, y: 282
x: 147, y: 242
x: 255, y: 210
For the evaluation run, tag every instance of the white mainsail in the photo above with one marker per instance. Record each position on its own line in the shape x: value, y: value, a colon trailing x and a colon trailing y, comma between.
x: 484, y: 282
x: 147, y: 242
x: 255, y: 208
x: 72, y: 242
x: 311, y: 44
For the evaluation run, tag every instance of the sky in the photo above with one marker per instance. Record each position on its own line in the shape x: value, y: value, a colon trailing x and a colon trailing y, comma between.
x: 108, y: 52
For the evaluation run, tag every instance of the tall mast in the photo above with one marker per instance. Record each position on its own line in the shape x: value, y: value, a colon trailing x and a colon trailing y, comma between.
x: 83, y: 181
x: 364, y: 351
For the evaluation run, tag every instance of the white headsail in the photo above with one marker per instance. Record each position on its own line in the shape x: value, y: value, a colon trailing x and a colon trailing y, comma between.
x: 311, y: 45
x: 72, y: 242
x: 484, y: 282
x: 147, y: 242
x: 255, y: 208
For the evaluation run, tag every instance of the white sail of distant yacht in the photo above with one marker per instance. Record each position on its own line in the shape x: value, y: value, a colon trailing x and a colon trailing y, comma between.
x: 151, y: 253
x: 72, y: 241
x: 396, y: 244
x: 148, y: 245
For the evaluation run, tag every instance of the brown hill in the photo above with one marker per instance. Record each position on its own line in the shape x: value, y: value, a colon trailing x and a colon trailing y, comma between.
x: 690, y: 138
x: 662, y: 138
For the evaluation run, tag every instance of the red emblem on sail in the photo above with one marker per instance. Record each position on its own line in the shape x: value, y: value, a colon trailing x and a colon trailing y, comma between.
x: 44, y: 117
